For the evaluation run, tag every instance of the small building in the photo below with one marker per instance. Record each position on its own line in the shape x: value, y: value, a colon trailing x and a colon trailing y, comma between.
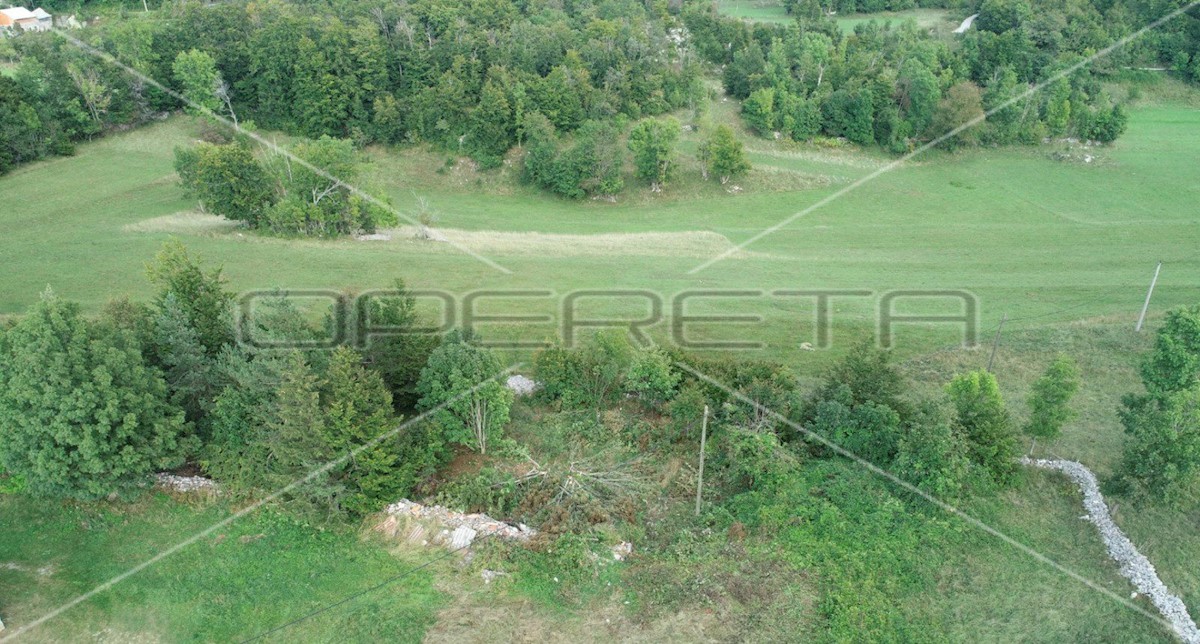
x: 15, y: 18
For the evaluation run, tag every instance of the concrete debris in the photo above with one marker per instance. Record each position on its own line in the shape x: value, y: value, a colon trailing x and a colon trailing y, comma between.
x: 521, y: 385
x: 1133, y: 564
x: 622, y: 550
x: 462, y: 537
x: 185, y: 484
x: 458, y: 530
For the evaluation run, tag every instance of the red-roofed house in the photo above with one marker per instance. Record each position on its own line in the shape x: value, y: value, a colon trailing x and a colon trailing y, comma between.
x: 36, y: 20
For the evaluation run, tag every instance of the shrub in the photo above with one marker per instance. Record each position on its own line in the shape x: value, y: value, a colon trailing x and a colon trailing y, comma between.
x: 754, y: 459
x: 983, y: 422
x: 931, y: 456
x: 652, y: 376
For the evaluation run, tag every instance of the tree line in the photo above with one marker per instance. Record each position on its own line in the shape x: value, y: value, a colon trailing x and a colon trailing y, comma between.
x: 897, y: 86
x: 463, y: 74
x: 474, y: 76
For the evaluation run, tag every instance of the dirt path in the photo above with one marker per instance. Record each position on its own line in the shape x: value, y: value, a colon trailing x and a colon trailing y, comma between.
x: 1133, y: 564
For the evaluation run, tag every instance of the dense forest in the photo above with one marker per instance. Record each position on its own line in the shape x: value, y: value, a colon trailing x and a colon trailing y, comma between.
x: 477, y: 77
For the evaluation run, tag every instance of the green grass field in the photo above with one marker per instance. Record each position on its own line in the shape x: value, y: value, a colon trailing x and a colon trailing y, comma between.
x: 772, y: 11
x: 260, y: 572
x: 1034, y: 238
x: 1064, y: 248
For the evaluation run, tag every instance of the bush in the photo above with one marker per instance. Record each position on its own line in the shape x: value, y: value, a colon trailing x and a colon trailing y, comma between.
x: 983, y: 422
x: 652, y: 377
x: 754, y: 459
x: 870, y: 431
x: 931, y: 456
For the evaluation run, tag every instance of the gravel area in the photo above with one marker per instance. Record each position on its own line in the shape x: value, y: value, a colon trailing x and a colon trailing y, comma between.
x: 1133, y: 564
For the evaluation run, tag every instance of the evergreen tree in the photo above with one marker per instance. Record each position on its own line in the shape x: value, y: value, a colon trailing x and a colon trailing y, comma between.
x: 386, y: 327
x: 81, y: 413
x: 358, y: 409
x: 295, y: 440
x: 201, y: 295
x: 185, y: 361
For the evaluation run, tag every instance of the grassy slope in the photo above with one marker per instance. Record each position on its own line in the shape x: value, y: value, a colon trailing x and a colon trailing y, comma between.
x: 1031, y: 236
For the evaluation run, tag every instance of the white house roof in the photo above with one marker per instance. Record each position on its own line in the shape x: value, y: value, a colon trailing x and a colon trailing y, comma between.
x: 40, y: 13
x: 18, y: 13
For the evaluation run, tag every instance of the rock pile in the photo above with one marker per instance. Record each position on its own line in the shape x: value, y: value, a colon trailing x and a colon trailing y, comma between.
x: 521, y: 385
x: 175, y: 483
x: 1133, y: 564
x: 459, y: 530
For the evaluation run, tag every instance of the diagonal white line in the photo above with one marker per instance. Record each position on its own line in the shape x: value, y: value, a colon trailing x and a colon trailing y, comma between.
x: 973, y: 521
x: 341, y: 460
x: 725, y: 254
x: 112, y: 60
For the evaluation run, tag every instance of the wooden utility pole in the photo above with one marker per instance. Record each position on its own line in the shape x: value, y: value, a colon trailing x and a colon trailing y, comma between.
x: 996, y: 341
x: 1146, y: 306
x: 703, y: 439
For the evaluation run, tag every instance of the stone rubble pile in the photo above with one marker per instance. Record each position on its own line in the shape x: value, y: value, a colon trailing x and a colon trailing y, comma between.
x: 522, y: 386
x: 460, y: 529
x: 1133, y: 564
x: 177, y: 483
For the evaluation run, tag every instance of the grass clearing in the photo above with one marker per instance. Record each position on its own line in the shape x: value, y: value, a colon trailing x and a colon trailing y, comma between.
x: 1030, y: 235
x: 772, y: 11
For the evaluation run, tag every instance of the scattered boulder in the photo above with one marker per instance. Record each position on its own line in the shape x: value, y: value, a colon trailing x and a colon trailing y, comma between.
x: 491, y: 575
x: 462, y: 537
x: 622, y: 550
